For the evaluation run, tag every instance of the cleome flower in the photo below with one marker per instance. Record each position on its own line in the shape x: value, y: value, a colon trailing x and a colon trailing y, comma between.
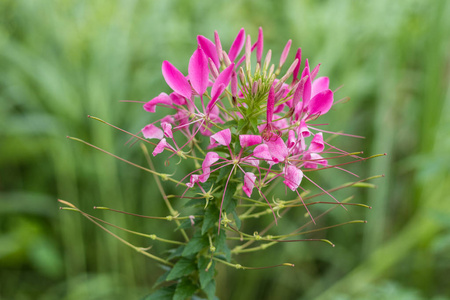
x: 254, y: 121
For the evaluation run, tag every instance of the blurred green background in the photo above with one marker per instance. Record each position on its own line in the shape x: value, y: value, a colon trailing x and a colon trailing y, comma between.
x: 62, y: 60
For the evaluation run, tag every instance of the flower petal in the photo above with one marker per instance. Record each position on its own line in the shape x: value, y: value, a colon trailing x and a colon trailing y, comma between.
x: 176, y: 80
x: 224, y: 78
x: 237, y: 45
x: 210, y: 158
x: 152, y: 132
x: 222, y: 137
x: 215, y: 97
x: 209, y: 48
x: 262, y: 151
x: 319, y: 85
x: 162, y: 98
x: 167, y: 127
x: 249, y: 183
x: 298, y: 56
x: 259, y: 45
x: 270, y: 105
x: 248, y: 140
x: 277, y: 149
x: 293, y: 177
x: 199, y: 71
x: 312, y: 160
x: 317, y: 144
x: 321, y: 103
x: 160, y: 147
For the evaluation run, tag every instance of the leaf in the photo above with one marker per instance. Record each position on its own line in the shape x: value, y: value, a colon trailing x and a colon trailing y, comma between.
x: 185, y: 289
x: 237, y: 220
x: 184, y: 225
x: 161, y: 278
x: 222, y: 245
x: 195, y: 202
x: 183, y: 267
x: 177, y: 253
x: 205, y: 276
x: 197, y: 243
x: 211, y: 217
x: 229, y: 203
x: 210, y: 290
x: 166, y: 293
x: 224, y: 172
x: 254, y: 123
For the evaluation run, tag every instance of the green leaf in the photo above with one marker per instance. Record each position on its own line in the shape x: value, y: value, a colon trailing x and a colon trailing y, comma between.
x: 205, y: 276
x: 210, y: 290
x: 161, y: 278
x: 195, y: 202
x: 177, y: 253
x: 184, y: 225
x: 229, y: 203
x: 222, y: 245
x: 241, y: 124
x: 237, y: 220
x: 254, y: 123
x: 166, y: 293
x: 185, y: 289
x: 197, y: 243
x: 183, y: 267
x: 224, y: 172
x: 211, y: 217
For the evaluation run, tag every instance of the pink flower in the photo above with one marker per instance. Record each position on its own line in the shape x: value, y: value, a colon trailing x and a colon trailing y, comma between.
x: 249, y: 183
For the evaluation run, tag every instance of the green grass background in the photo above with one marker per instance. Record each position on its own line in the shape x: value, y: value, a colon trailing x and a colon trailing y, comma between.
x: 62, y: 60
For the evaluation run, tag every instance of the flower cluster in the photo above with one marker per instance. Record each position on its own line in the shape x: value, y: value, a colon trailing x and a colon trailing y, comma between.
x: 246, y: 128
x: 222, y: 99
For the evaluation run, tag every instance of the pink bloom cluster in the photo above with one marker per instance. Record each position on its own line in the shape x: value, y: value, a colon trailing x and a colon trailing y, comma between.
x: 254, y: 121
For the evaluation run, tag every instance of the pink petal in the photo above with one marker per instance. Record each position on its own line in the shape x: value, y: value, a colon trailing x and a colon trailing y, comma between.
x: 317, y: 144
x: 162, y: 98
x: 285, y: 52
x: 177, y: 99
x: 293, y: 177
x: 312, y: 160
x: 209, y: 48
x: 210, y: 158
x: 194, y: 180
x: 218, y: 47
x: 303, y: 129
x: 277, y: 149
x: 199, y: 71
x: 321, y: 103
x: 298, y: 56
x: 160, y: 147
x: 319, y: 85
x: 222, y: 137
x: 167, y: 127
x: 314, y: 72
x: 215, y: 96
x: 249, y: 183
x: 248, y: 140
x: 224, y: 78
x: 259, y: 45
x: 298, y: 94
x: 176, y: 80
x: 152, y: 132
x: 292, y: 139
x: 270, y: 104
x: 307, y: 88
x: 262, y: 151
x: 237, y: 45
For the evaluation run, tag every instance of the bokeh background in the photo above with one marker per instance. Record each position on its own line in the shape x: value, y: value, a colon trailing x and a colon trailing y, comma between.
x: 62, y: 60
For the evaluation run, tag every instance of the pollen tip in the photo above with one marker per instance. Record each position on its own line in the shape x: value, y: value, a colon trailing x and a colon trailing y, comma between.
x: 370, y: 207
x: 95, y: 207
x: 88, y: 116
x: 365, y: 221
